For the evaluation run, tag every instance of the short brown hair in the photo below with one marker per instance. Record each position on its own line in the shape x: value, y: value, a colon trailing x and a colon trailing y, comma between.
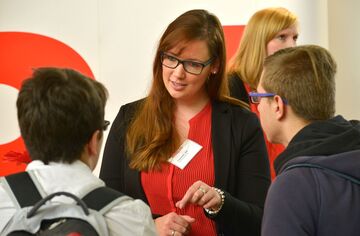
x: 58, y: 111
x: 305, y: 77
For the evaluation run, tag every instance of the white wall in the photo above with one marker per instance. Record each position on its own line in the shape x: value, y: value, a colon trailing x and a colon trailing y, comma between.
x: 117, y: 38
x: 344, y: 39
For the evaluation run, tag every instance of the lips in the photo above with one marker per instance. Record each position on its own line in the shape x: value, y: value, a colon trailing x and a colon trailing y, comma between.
x: 177, y: 86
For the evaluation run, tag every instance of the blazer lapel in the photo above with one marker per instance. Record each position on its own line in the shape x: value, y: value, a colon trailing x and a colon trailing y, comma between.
x: 221, y: 141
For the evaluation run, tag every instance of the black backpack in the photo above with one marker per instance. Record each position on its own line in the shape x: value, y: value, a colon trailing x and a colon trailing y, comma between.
x: 36, y: 215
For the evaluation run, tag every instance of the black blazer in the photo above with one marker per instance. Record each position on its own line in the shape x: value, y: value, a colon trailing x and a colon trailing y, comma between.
x: 237, y: 88
x: 240, y: 162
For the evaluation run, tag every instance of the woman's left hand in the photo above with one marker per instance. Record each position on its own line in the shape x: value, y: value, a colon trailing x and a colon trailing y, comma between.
x: 201, y: 194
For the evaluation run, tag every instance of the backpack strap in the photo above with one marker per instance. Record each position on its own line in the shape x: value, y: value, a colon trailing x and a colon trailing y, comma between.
x: 23, y: 189
x: 334, y: 172
x: 25, y: 193
x: 102, y: 199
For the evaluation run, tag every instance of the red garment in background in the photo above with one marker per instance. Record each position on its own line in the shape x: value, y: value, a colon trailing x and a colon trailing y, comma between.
x: 13, y: 162
x: 164, y: 188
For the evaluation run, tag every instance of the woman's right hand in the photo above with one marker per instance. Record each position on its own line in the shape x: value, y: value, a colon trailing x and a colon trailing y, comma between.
x: 173, y: 224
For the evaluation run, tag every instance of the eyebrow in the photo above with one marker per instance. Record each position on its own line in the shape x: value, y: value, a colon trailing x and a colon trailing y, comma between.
x: 187, y: 59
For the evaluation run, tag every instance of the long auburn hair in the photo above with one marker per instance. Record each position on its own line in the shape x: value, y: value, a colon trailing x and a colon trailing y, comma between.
x: 262, y: 27
x: 151, y: 138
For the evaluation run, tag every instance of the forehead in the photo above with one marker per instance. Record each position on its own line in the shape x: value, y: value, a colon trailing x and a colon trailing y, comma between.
x: 293, y: 30
x: 196, y: 49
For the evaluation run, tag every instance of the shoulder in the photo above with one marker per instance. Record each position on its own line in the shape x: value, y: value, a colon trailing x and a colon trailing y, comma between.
x: 136, y: 207
x: 296, y: 188
x: 238, y: 113
x: 226, y: 106
x: 293, y: 197
x: 130, y: 217
x: 234, y: 79
x: 7, y: 207
x: 293, y: 179
x: 127, y: 112
x: 244, y: 124
x: 237, y: 88
x: 132, y: 106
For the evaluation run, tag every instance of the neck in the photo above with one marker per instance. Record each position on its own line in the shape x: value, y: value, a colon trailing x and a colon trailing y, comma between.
x: 292, y: 128
x: 191, y: 108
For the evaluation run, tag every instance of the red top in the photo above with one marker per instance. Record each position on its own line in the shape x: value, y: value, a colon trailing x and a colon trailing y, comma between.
x: 164, y: 188
x: 273, y: 149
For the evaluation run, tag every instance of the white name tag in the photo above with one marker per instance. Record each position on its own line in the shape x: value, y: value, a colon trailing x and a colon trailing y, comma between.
x: 185, y: 153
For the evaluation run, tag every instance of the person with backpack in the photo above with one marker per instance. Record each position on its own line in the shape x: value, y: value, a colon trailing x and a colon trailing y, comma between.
x: 61, y: 118
x: 316, y: 191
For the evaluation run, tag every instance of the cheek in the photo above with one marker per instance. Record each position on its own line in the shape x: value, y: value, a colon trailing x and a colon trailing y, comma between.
x: 166, y: 73
x: 271, y: 48
x: 262, y: 114
x: 201, y: 82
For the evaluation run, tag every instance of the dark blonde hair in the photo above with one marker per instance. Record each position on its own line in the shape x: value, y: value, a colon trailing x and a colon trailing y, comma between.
x: 261, y: 29
x: 305, y: 77
x: 151, y: 137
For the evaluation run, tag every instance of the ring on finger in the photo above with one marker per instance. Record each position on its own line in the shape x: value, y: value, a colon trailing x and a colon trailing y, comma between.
x: 173, y: 232
x: 202, y: 190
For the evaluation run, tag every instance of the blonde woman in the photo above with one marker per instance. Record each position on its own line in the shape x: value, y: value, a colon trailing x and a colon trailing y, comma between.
x: 267, y: 31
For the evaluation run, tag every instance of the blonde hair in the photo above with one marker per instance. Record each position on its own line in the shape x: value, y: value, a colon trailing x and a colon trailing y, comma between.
x: 262, y: 27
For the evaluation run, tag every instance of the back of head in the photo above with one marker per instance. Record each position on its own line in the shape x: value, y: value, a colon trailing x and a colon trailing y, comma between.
x: 305, y: 77
x: 58, y: 111
x: 261, y: 28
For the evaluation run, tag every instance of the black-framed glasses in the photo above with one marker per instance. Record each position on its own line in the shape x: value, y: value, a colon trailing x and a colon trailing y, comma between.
x: 192, y: 67
x: 256, y: 97
x: 105, y: 125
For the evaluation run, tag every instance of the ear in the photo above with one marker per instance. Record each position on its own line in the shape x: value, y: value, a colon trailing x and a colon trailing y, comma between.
x: 94, y: 143
x: 279, y: 107
x: 215, y: 67
x: 91, y: 152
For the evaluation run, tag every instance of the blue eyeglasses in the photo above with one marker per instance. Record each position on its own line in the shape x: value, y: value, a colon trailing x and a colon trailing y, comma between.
x: 256, y: 97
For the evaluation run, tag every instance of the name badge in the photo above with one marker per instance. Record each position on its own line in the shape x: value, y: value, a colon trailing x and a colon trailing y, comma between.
x: 185, y: 153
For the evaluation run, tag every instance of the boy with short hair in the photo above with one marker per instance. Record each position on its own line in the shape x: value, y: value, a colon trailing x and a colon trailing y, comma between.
x: 317, y: 189
x: 61, y: 119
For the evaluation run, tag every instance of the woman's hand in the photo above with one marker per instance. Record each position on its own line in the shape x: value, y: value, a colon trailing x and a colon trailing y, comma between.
x: 173, y: 224
x: 201, y: 194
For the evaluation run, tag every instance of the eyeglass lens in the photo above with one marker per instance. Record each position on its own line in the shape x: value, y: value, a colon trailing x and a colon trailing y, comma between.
x: 189, y: 66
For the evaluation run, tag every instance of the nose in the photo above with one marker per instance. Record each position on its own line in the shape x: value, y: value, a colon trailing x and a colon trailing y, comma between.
x: 291, y: 43
x: 179, y: 71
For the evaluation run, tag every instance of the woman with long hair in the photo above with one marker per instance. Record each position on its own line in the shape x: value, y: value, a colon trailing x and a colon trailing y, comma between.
x: 195, y: 155
x: 267, y: 31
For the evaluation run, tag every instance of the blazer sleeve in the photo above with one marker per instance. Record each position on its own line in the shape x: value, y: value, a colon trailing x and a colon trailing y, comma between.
x: 248, y: 178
